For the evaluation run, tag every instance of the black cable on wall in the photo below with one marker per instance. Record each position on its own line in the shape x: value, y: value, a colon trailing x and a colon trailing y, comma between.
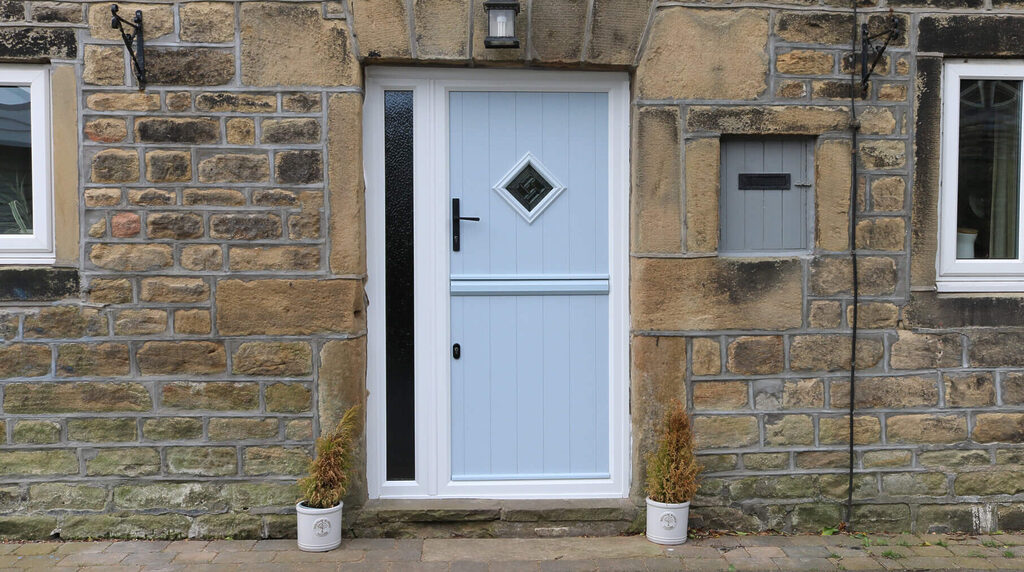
x: 854, y: 128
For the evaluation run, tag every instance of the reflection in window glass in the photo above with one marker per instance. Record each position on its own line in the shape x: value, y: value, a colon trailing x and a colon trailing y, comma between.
x: 989, y: 185
x: 15, y: 161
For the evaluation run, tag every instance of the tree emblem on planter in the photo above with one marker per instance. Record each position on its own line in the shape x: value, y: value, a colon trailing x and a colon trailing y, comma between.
x: 668, y: 520
x: 529, y: 187
x: 322, y: 527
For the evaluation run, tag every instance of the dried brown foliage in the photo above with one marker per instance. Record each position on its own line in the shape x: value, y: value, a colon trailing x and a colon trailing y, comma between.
x: 673, y: 468
x: 329, y: 473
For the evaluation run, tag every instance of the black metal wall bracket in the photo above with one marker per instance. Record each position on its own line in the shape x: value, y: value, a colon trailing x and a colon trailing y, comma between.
x: 133, y: 41
x: 871, y: 51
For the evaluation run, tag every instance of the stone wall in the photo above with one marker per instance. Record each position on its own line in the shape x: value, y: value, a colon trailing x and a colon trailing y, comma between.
x: 220, y: 322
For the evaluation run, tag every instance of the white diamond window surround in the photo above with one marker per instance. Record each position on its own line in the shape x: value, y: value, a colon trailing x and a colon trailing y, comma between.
x: 529, y: 187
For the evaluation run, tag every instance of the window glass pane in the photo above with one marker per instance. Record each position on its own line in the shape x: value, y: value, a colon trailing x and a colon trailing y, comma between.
x: 398, y: 283
x: 989, y: 169
x: 15, y: 160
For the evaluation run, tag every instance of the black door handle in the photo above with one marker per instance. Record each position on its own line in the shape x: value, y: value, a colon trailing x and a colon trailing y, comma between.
x: 456, y: 218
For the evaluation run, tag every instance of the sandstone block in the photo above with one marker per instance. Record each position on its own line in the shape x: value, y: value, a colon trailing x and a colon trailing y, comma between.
x: 123, y: 101
x: 969, y: 389
x: 707, y: 357
x: 101, y: 360
x: 805, y: 62
x: 202, y: 461
x: 189, y: 66
x: 174, y: 496
x: 125, y: 225
x: 274, y: 198
x: 442, y: 29
x: 172, y: 428
x: 292, y: 44
x: 720, y: 395
x: 240, y: 102
x: 881, y: 234
x: 190, y: 130
x: 234, y: 168
x: 179, y: 101
x: 732, y: 431
x: 110, y: 291
x: 867, y: 429
x: 832, y: 352
x: 877, y: 121
x: 98, y: 229
x: 290, y: 131
x: 284, y: 359
x: 346, y: 192
x: 75, y: 397
x: 926, y: 428
x: 152, y: 197
x: 887, y: 193
x: 126, y: 525
x: 274, y: 258
x: 124, y: 462
x: 67, y: 12
x: 8, y: 326
x: 65, y: 322
x: 383, y: 27
x: 713, y: 294
x: 788, y: 430
x: 822, y: 460
x: 245, y: 226
x: 36, y: 432
x: 999, y: 427
x: 103, y: 65
x: 825, y: 314
x: 23, y: 360
x: 294, y: 307
x: 241, y: 131
x: 790, y: 89
x: 168, y: 166
x: 304, y: 226
x: 102, y: 430
x: 168, y: 358
x: 814, y: 27
x: 831, y: 275
x: 766, y: 461
x: 751, y: 355
x: 923, y: 351
x: 803, y: 394
x: 873, y: 315
x: 832, y: 89
x: 298, y: 167
x: 247, y: 496
x: 341, y: 381
x: 833, y: 174
x: 213, y: 395
x: 989, y: 483
x: 887, y: 392
x: 304, y: 102
x: 1013, y: 388
x: 38, y: 463
x: 276, y: 460
x: 914, y: 484
x: 616, y: 31
x: 174, y: 289
x: 727, y: 59
x: 765, y: 120
x: 213, y: 197
x: 884, y: 459
x: 954, y: 458
x: 702, y: 176
x: 235, y: 429
x: 65, y: 496
x: 115, y: 166
x: 558, y: 30
x: 233, y: 525
x: 196, y: 322
x: 102, y: 197
x: 299, y: 430
x: 892, y: 92
x: 883, y: 154
x: 158, y: 18
x: 174, y: 225
x: 996, y: 349
x: 202, y: 257
x: 207, y: 22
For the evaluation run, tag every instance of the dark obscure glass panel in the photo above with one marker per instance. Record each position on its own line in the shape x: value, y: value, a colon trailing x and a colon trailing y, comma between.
x: 989, y: 170
x: 15, y: 160
x: 529, y: 187
x: 398, y: 193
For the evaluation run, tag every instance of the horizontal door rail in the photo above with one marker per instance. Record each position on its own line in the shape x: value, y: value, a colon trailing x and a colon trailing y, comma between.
x: 528, y: 287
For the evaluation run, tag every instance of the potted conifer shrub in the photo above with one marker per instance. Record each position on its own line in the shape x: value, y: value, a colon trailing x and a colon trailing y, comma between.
x: 672, y: 472
x: 319, y: 513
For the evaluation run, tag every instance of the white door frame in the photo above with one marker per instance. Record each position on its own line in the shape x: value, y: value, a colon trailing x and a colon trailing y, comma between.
x: 431, y: 235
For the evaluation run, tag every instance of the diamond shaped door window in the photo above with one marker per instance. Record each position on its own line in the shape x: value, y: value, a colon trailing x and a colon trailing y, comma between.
x: 529, y: 187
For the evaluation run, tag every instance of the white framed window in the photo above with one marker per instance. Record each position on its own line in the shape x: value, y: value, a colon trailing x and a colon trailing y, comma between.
x: 981, y: 204
x: 26, y: 190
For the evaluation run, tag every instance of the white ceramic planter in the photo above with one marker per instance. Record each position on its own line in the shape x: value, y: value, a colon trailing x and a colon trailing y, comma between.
x: 666, y: 523
x: 319, y: 528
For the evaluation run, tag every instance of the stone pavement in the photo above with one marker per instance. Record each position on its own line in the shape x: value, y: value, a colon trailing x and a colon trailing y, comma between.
x: 840, y: 552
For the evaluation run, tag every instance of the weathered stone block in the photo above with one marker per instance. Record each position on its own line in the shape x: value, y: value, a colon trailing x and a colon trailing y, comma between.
x: 299, y: 430
x: 989, y: 348
x: 924, y: 351
x: 877, y: 121
x: 713, y: 294
x: 341, y: 381
x: 944, y: 519
x: 274, y: 258
x: 883, y: 154
x: 867, y: 429
x: 101, y: 430
x: 298, y: 167
x: 881, y: 234
x: 292, y: 44
x: 174, y: 289
x: 346, y: 191
x: 751, y: 355
x: 98, y: 229
x: 125, y: 225
x: 189, y: 66
x: 103, y: 360
x: 110, y: 291
x: 24, y: 360
x: 105, y: 130
x: 213, y: 197
x: 805, y: 62
x: 123, y: 101
x: 290, y: 131
x: 831, y: 275
x: 152, y: 197
x: 102, y: 197
x: 276, y: 460
x: 788, y: 430
x: 53, y: 12
x: 727, y: 55
x: 33, y: 43
x: 707, y: 359
x: 234, y: 168
x: 241, y: 131
x: 158, y: 18
x: 12, y: 10
x: 558, y: 30
x: 27, y: 527
x: 767, y: 120
x: 969, y: 389
x: 126, y: 525
x: 874, y: 315
x: 75, y: 397
x: 196, y: 322
x: 990, y: 482
x: 657, y: 225
x: 65, y: 322
x: 442, y: 29
x: 702, y: 175
x: 732, y: 431
x: 38, y: 463
x: 286, y: 359
x: 115, y: 166
x: 616, y: 31
x: 822, y: 460
x: 234, y: 525
x: 233, y: 429
x: 954, y: 458
x: 174, y: 225
x: 125, y: 462
x: 202, y: 257
x: 103, y: 65
x: 215, y: 395
x: 892, y: 92
x: 289, y: 306
x: 887, y: 392
x: 926, y: 428
x: 720, y: 395
x: 382, y: 27
x: 885, y: 459
x: 832, y: 352
x: 179, y: 101
x: 304, y: 102
x: 1012, y: 386
x: 66, y: 496
x: 914, y: 484
x: 766, y: 461
x: 164, y: 358
x: 832, y: 194
x: 245, y: 226
x: 190, y: 130
x: 174, y: 496
x: 207, y: 22
x: 887, y: 193
x: 814, y: 27
x: 999, y: 427
x: 168, y: 166
x: 288, y: 398
x: 172, y: 428
x: 825, y: 314
x: 790, y: 89
x: 36, y: 432
x: 202, y: 461
x: 249, y: 496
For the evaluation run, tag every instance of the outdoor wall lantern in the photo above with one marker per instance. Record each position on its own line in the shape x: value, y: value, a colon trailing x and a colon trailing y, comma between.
x: 133, y: 42
x: 501, y: 24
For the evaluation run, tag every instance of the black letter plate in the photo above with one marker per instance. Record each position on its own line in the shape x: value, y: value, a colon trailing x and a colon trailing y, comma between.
x: 764, y: 182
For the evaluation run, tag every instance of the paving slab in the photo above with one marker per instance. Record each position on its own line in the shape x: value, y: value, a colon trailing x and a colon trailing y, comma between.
x: 504, y: 549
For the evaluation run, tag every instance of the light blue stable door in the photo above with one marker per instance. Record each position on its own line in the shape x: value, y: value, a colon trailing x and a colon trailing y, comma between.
x: 529, y: 285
